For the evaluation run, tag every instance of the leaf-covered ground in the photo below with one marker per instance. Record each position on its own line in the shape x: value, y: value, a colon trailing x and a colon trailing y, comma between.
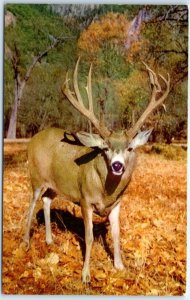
x: 153, y: 236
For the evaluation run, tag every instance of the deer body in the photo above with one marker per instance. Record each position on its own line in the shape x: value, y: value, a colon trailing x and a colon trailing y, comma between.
x: 82, y: 175
x: 90, y: 169
x: 53, y: 164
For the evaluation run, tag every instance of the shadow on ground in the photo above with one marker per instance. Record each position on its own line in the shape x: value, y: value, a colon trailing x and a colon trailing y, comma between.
x: 65, y: 221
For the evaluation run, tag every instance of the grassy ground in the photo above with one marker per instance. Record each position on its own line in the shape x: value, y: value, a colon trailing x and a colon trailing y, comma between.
x: 153, y: 235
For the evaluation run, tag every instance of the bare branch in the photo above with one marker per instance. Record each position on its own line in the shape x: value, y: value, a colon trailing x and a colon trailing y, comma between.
x: 38, y: 58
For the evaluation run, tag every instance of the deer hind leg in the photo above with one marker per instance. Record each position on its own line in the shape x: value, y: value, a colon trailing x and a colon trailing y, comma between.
x: 36, y: 195
x: 87, y: 216
x: 47, y: 197
x: 115, y: 231
x: 47, y: 205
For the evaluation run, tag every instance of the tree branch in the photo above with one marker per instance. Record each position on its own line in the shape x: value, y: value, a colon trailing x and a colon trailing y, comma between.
x: 172, y: 51
x: 38, y: 58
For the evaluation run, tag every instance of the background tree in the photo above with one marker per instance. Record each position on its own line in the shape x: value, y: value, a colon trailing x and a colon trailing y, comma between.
x: 19, y: 84
x: 116, y: 38
x: 24, y: 53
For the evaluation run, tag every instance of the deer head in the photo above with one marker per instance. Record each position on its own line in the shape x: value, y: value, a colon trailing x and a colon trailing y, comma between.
x: 115, y: 145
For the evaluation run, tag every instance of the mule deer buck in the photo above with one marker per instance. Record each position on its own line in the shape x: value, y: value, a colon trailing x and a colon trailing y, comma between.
x: 90, y: 169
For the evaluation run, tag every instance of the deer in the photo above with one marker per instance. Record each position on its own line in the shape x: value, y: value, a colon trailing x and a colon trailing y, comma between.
x: 89, y: 169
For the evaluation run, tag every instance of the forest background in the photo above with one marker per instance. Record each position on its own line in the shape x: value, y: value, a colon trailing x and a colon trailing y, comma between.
x: 43, y: 42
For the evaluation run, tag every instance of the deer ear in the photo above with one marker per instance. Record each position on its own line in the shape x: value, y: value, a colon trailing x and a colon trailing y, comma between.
x: 91, y: 140
x: 140, y: 139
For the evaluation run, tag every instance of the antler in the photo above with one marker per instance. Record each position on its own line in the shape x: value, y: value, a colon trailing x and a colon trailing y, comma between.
x: 154, y: 102
x: 76, y: 100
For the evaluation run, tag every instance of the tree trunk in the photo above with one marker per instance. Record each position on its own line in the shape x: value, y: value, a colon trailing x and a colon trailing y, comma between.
x: 11, y: 134
x: 20, y: 85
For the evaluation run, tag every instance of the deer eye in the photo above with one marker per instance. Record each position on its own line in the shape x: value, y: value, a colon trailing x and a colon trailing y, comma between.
x: 130, y: 149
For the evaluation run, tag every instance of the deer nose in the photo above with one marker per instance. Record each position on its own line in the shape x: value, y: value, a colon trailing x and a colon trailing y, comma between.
x: 117, y: 166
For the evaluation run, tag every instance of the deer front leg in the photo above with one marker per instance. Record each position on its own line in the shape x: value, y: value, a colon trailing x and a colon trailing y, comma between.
x: 87, y: 216
x: 115, y: 231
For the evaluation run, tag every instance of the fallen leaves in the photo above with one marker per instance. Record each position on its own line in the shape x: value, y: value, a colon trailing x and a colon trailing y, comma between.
x: 100, y: 275
x: 52, y: 259
x: 153, y: 237
x: 37, y: 273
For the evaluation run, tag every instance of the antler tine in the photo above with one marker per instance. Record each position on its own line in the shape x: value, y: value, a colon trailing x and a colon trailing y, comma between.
x: 75, y: 83
x: 164, y: 79
x: 154, y: 103
x: 153, y: 78
x: 89, y: 89
x: 76, y: 100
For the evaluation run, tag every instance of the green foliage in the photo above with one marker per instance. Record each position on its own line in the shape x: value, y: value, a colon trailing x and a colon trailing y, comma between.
x: 170, y: 152
x: 132, y: 94
x: 121, y: 88
x: 26, y: 39
x: 129, y: 10
x: 47, y: 107
x: 32, y: 31
x: 112, y: 62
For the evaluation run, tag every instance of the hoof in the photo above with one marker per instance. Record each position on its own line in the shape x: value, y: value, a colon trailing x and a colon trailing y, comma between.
x: 49, y: 241
x: 25, y: 244
x: 86, y: 277
x: 119, y: 265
